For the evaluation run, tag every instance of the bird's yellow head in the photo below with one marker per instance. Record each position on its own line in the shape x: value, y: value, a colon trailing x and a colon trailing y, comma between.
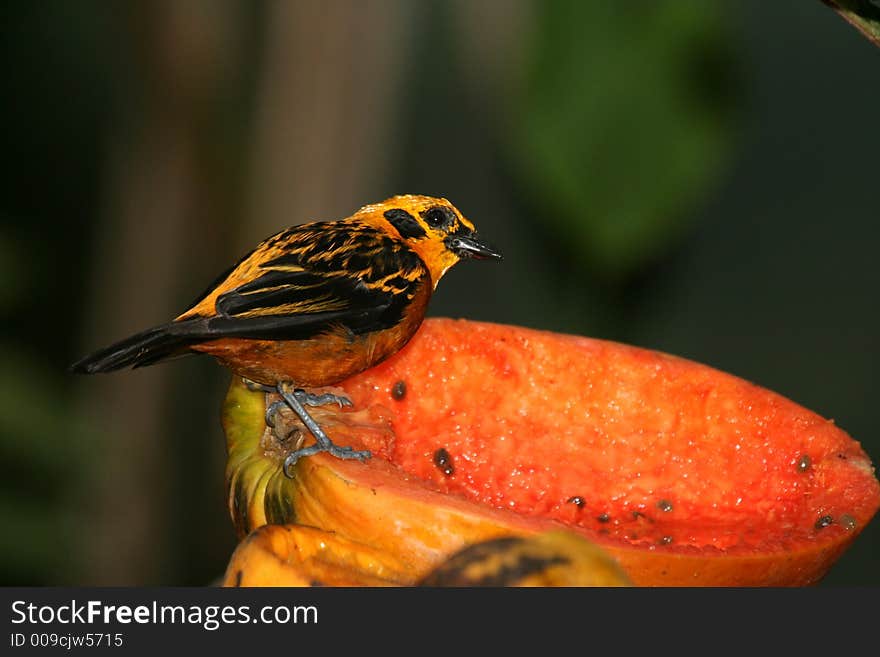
x: 432, y: 227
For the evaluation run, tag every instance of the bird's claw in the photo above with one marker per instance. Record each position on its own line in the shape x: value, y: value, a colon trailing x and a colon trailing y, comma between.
x: 310, y: 399
x: 344, y: 453
x: 272, y: 411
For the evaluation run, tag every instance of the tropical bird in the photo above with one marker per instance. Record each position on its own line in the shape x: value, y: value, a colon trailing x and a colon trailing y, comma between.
x: 315, y: 304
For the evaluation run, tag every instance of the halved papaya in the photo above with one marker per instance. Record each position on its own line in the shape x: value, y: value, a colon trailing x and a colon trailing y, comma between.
x: 685, y: 475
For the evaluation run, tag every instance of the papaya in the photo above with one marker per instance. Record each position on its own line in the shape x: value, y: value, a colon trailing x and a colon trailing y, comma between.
x: 681, y: 474
x: 556, y: 558
x: 298, y: 555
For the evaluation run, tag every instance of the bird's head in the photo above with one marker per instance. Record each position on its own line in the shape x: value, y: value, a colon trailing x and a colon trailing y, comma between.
x: 433, y: 228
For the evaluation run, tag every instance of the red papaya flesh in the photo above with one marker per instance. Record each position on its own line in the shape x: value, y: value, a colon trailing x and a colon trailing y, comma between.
x: 634, y: 448
x: 684, y: 474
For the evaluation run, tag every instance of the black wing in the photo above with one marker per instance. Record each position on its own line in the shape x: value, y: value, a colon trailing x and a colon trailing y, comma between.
x: 322, y: 277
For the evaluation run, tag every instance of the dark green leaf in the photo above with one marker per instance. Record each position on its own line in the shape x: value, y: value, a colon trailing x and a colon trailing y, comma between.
x: 624, y: 123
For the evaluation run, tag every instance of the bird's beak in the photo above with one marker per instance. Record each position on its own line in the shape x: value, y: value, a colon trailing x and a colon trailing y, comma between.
x: 470, y: 247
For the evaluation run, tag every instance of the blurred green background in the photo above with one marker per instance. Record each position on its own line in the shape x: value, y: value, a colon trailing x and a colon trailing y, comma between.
x: 695, y: 177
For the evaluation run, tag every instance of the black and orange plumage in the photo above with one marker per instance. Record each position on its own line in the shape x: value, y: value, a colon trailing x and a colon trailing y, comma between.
x: 315, y: 303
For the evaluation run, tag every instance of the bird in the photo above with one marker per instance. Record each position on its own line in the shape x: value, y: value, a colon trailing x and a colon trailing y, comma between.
x: 315, y: 304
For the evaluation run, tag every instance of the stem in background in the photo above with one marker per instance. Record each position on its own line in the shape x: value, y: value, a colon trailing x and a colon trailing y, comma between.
x: 864, y: 15
x: 155, y: 187
x: 325, y: 117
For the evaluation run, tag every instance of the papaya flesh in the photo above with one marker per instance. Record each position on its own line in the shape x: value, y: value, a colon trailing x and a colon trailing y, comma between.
x: 683, y: 474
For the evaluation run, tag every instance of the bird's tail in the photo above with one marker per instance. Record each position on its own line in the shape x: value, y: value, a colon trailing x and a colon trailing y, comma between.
x: 144, y: 348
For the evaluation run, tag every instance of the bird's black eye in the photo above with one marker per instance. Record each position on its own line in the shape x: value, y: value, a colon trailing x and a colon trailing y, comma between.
x: 438, y: 217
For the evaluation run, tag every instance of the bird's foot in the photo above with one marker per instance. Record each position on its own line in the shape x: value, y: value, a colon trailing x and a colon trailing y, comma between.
x: 294, y: 399
x: 309, y: 399
x: 344, y: 453
x: 303, y: 397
